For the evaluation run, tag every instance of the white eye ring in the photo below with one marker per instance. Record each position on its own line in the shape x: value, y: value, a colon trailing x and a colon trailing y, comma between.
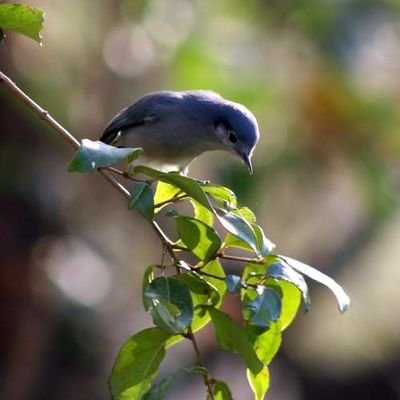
x: 232, y: 136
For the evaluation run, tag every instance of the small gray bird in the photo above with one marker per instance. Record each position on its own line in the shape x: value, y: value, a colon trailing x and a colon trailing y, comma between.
x: 174, y: 128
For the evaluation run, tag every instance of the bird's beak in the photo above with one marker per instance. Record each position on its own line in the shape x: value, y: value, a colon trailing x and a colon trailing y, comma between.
x: 247, y: 161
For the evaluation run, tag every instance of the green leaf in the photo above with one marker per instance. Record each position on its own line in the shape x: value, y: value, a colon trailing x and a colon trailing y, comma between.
x: 233, y: 283
x: 215, y: 276
x: 264, y: 309
x: 283, y: 271
x: 254, y: 274
x: 92, y: 155
x: 247, y: 214
x: 169, y: 303
x: 264, y: 245
x: 259, y: 383
x: 291, y: 301
x: 202, y: 213
x: 201, y: 316
x: 266, y: 343
x: 160, y: 390
x: 164, y: 192
x: 198, y: 237
x: 187, y: 185
x: 198, y: 285
x: 137, y: 364
x: 142, y: 200
x: 22, y: 19
x: 222, y: 196
x: 233, y: 338
x: 342, y: 299
x: 232, y: 241
x: 238, y: 226
x: 221, y: 391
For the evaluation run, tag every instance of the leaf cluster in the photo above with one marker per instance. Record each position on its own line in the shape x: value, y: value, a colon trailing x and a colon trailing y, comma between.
x: 182, y: 298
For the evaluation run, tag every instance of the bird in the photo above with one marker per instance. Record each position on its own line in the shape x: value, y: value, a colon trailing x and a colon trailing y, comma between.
x: 175, y: 127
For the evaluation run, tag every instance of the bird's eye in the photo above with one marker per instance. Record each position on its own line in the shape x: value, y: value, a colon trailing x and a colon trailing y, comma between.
x: 232, y: 137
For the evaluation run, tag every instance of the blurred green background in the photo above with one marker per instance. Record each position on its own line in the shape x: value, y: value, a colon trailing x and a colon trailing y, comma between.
x: 322, y: 78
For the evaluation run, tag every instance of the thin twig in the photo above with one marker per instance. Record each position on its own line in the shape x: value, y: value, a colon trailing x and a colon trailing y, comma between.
x: 200, y: 272
x: 124, y: 174
x: 172, y: 200
x: 206, y: 377
x: 39, y: 111
x: 49, y: 120
x: 224, y: 256
x: 115, y: 183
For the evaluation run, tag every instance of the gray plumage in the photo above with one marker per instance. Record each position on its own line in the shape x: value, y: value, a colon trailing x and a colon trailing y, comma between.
x: 173, y: 128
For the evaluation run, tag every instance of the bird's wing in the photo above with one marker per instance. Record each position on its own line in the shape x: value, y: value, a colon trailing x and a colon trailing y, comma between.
x: 146, y: 110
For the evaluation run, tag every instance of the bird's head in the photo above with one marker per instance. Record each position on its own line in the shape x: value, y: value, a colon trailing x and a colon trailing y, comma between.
x: 236, y: 128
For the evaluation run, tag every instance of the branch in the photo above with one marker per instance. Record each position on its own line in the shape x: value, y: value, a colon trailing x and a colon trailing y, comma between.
x: 39, y: 111
x: 49, y: 120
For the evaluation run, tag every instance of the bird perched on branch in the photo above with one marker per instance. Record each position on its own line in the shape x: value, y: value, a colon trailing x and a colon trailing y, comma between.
x: 173, y: 128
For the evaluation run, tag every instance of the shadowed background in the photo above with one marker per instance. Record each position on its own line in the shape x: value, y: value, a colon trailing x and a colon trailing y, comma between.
x: 322, y: 78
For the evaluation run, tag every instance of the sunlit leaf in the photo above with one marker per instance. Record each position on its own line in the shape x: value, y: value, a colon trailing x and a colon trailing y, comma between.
x: 215, y: 278
x: 233, y: 338
x: 222, y: 196
x: 142, y: 199
x: 198, y: 237
x: 170, y: 304
x: 247, y: 214
x: 239, y: 227
x: 221, y: 391
x: 342, y: 299
x: 265, y: 308
x: 266, y: 343
x: 265, y: 246
x: 187, y: 185
x: 281, y: 270
x: 254, y: 273
x: 235, y: 242
x: 291, y: 301
x: 137, y: 364
x: 92, y: 155
x: 202, y: 213
x: 22, y: 19
x: 164, y: 193
x: 259, y: 383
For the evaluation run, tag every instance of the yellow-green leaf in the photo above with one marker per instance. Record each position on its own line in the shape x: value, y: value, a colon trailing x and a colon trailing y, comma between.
x: 22, y: 19
x: 137, y: 364
x: 259, y: 383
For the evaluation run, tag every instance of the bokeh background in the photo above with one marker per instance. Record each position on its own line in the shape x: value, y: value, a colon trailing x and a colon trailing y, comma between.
x: 323, y: 79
